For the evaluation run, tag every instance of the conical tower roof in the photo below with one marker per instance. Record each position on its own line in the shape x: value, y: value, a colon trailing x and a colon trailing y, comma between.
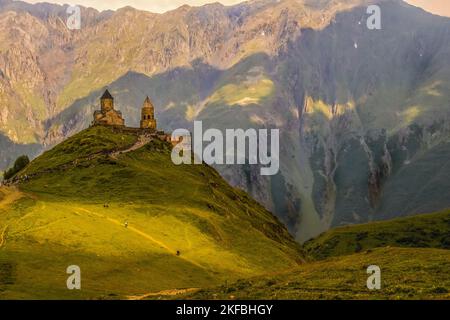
x: 148, y: 103
x: 106, y: 95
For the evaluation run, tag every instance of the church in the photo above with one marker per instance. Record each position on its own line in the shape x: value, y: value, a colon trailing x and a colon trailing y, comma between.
x: 108, y: 116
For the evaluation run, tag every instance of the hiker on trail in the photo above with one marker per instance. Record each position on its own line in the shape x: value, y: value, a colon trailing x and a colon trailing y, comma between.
x: 178, y: 253
x: 126, y: 224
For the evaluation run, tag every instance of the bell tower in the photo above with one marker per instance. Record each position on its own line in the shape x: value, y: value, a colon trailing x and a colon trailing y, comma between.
x: 106, y: 102
x: 148, y: 115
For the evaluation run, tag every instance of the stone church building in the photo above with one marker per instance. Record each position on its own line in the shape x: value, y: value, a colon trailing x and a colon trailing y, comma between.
x: 108, y: 116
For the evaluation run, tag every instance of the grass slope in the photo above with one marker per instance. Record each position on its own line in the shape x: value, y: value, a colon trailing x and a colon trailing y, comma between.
x: 58, y: 218
x: 422, y: 231
x: 412, y: 254
x: 406, y: 273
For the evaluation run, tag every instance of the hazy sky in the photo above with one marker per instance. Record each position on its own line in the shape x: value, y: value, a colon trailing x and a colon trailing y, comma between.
x: 149, y: 5
x: 441, y: 7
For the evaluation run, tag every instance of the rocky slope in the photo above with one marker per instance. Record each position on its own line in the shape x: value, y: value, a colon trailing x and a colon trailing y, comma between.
x: 363, y: 113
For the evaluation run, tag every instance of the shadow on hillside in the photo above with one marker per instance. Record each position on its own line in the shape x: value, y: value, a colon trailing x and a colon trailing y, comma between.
x: 10, y: 151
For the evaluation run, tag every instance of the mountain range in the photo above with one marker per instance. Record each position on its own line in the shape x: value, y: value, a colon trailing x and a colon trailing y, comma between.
x: 363, y: 114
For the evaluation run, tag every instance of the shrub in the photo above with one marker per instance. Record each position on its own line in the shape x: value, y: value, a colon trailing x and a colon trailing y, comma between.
x: 361, y: 236
x: 439, y: 290
x: 20, y: 163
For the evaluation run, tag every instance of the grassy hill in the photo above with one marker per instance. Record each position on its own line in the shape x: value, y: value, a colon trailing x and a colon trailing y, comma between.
x: 73, y: 211
x: 412, y: 254
x: 406, y: 273
x: 422, y: 231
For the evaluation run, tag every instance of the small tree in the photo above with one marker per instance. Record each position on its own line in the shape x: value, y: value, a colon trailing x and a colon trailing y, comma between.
x: 20, y: 163
x: 8, y: 174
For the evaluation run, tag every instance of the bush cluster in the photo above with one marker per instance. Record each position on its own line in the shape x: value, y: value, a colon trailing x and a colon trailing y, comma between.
x: 20, y: 163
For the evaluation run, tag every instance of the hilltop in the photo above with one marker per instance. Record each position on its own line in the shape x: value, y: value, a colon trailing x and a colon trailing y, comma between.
x: 134, y: 222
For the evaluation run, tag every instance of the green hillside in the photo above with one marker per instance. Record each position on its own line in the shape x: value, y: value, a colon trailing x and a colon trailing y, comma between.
x: 343, y: 255
x: 422, y: 231
x: 187, y: 228
x: 406, y: 273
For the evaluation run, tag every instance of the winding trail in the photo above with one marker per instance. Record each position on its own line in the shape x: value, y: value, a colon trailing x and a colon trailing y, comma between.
x: 144, y: 235
x: 142, y: 141
x: 10, y: 195
x: 171, y: 292
x: 3, y: 236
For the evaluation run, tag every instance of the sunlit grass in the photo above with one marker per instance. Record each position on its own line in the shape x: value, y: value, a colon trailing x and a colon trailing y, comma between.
x: 186, y: 227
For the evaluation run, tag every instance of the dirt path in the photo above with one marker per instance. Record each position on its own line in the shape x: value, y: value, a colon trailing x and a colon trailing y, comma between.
x: 172, y: 292
x: 3, y: 236
x: 144, y: 235
x: 10, y: 195
x: 142, y: 141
